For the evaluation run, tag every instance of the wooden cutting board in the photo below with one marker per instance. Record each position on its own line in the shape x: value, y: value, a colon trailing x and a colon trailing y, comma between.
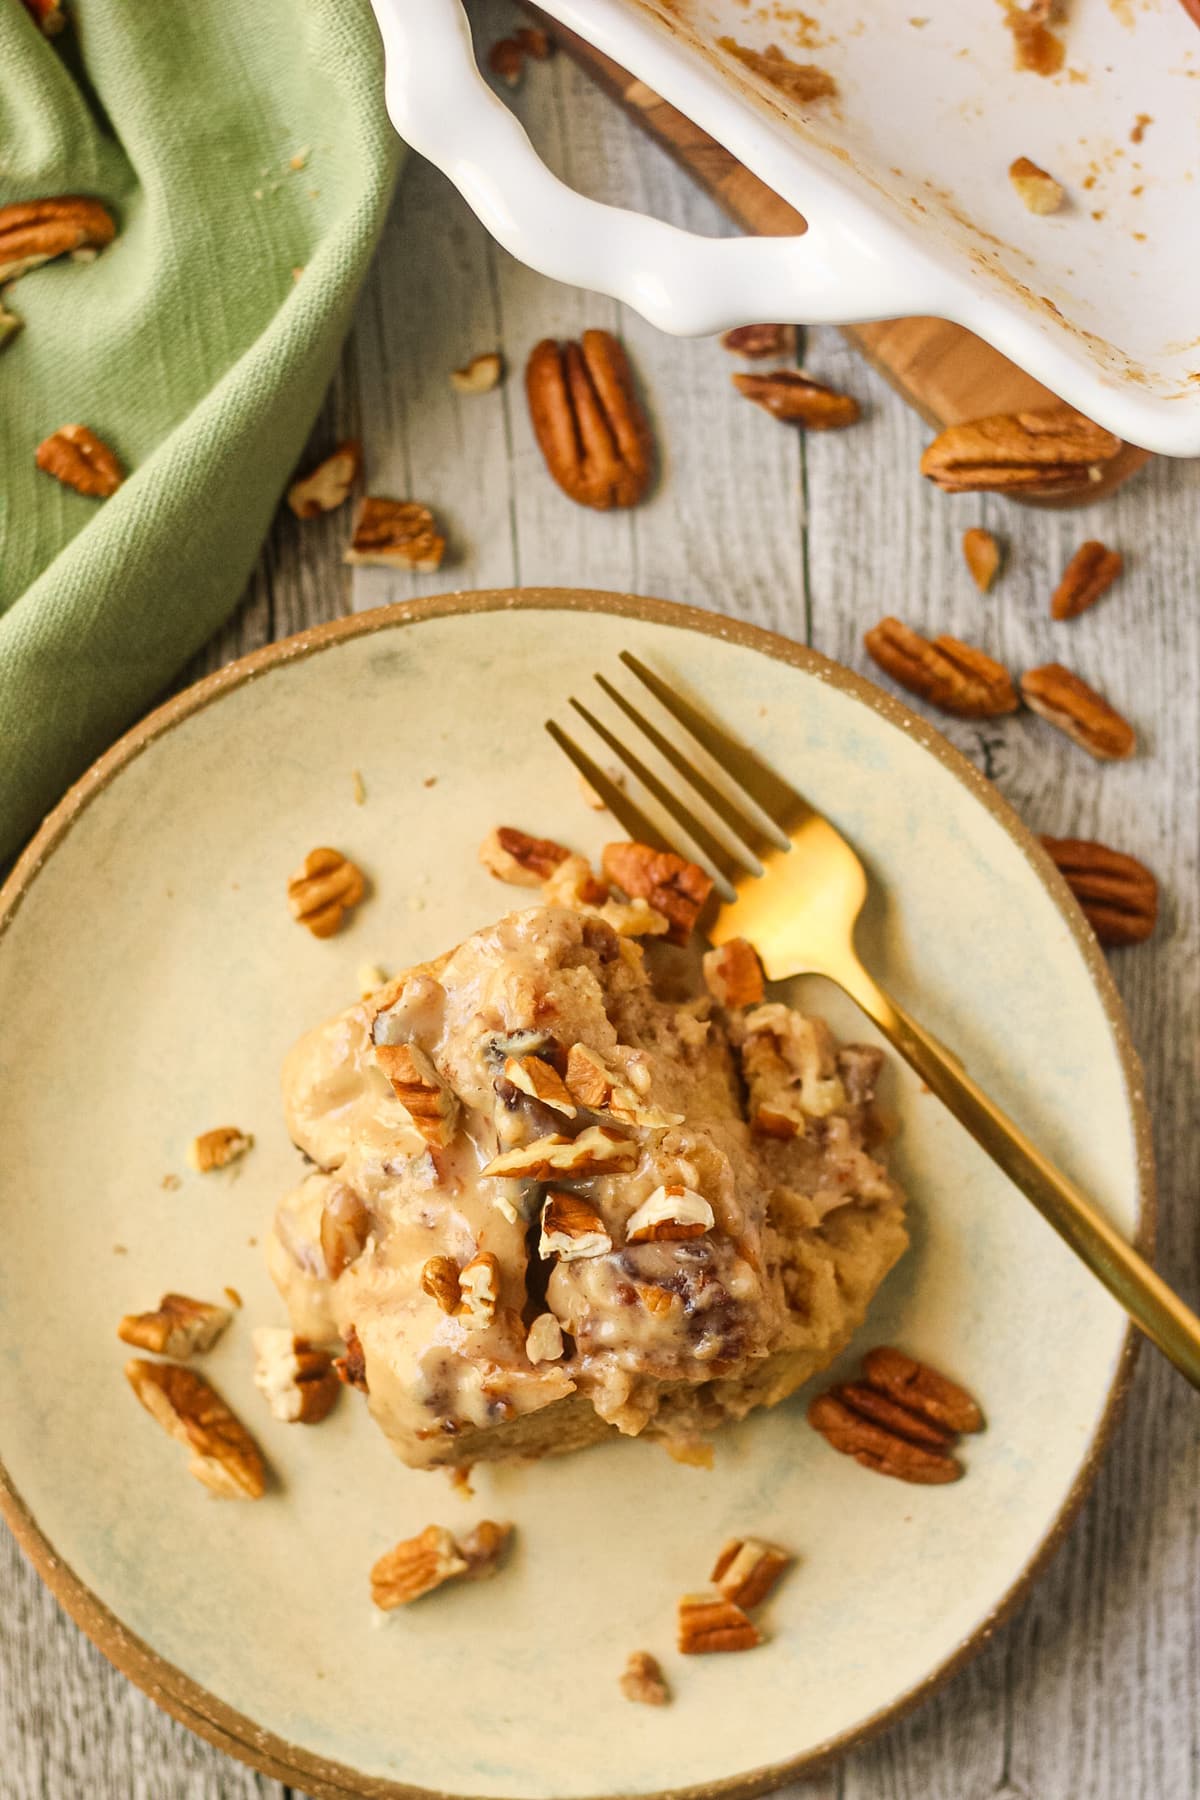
x: 945, y: 372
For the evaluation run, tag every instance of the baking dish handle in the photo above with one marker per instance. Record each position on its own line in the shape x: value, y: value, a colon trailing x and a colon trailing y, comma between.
x: 440, y: 104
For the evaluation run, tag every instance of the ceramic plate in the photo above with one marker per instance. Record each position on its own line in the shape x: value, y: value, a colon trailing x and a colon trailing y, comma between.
x: 151, y: 981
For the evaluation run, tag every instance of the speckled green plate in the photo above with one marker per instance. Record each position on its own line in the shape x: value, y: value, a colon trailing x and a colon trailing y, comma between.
x: 150, y: 982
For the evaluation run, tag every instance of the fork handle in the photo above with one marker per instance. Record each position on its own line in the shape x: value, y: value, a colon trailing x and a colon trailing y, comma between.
x: 1160, y: 1313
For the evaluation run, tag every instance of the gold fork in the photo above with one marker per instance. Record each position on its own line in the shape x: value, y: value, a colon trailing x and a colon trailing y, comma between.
x: 791, y: 884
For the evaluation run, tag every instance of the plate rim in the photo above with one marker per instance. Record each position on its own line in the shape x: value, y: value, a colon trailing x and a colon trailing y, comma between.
x: 221, y: 1724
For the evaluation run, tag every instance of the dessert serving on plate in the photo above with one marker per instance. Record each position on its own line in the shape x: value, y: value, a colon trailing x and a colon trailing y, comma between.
x: 555, y: 1194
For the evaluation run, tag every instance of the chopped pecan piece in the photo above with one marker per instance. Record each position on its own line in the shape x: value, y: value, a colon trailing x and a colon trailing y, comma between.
x: 595, y: 1151
x: 415, y: 1567
x: 1049, y: 451
x: 797, y: 399
x: 327, y: 486
x: 674, y: 887
x: 574, y: 883
x: 571, y: 1228
x: 399, y: 534
x: 535, y: 42
x: 33, y: 232
x: 642, y: 1680
x: 659, y: 1300
x: 512, y: 855
x: 439, y: 1278
x: 483, y: 1547
x: 671, y: 1214
x: 1090, y: 573
x: 352, y: 1367
x: 541, y: 1081
x: 479, y: 1287
x: 878, y: 1448
x: 922, y: 1389
x: 223, y: 1454
x: 181, y: 1327
x: 507, y: 60
x: 480, y: 375
x: 709, y: 1622
x: 345, y: 1228
x: 544, y: 1342
x: 298, y: 1383
x: 79, y: 459
x: 588, y: 420
x: 790, y: 1070
x: 599, y: 1088
x: 747, y: 1569
x: 981, y: 553
x: 1118, y: 893
x: 1064, y: 700
x: 951, y: 675
x: 1038, y: 191
x: 733, y: 974
x: 755, y: 341
x: 634, y: 918
x: 48, y: 14
x: 322, y: 888
x: 216, y: 1149
x: 429, y: 1102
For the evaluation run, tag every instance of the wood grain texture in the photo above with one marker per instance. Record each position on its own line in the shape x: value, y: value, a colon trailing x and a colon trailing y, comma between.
x: 1089, y: 1692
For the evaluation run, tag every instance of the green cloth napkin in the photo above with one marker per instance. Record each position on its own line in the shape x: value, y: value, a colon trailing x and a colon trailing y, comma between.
x: 236, y: 142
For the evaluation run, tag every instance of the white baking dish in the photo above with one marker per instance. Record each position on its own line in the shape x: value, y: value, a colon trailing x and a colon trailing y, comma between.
x: 902, y: 178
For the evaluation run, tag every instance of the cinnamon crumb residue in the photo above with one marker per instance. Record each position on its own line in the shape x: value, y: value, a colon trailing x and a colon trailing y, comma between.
x: 800, y: 82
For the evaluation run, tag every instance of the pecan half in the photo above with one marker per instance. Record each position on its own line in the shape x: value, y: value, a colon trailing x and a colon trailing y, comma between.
x: 877, y: 1447
x: 415, y: 1567
x: 181, y: 1326
x: 922, y: 1389
x: 322, y: 888
x: 429, y: 1102
x: 747, y: 1569
x: 571, y: 1229
x: 223, y: 1454
x: 671, y: 1214
x: 642, y: 1680
x: 480, y: 375
x: 1069, y: 703
x: 755, y: 341
x: 345, y: 1228
x: 216, y: 1149
x: 298, y: 1383
x: 1118, y: 893
x: 799, y: 400
x: 595, y: 1151
x: 479, y: 1287
x: 981, y: 553
x: 588, y: 420
x: 33, y: 232
x: 439, y: 1279
x: 709, y: 1622
x: 1037, y: 190
x: 1090, y: 573
x: 674, y: 887
x: 1047, y: 451
x: 512, y: 855
x: 79, y: 459
x: 398, y: 534
x: 327, y: 486
x: 949, y: 674
x: 733, y: 974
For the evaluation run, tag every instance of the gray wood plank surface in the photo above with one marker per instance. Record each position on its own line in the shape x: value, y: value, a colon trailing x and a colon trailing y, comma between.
x: 1088, y: 1693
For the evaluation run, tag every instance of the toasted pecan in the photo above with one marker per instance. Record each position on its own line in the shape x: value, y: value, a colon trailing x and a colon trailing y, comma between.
x: 1118, y: 893
x: 588, y: 420
x: 321, y: 890
x: 223, y: 1454
x: 757, y: 341
x: 33, y: 232
x: 1049, y: 450
x: 797, y: 399
x: 1089, y: 574
x: 79, y: 459
x: 673, y: 886
x: 513, y: 855
x: 949, y: 674
x: 981, y: 553
x: 1066, y: 701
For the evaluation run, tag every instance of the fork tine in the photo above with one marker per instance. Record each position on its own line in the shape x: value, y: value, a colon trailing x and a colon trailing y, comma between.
x: 617, y: 801
x: 747, y: 830
x: 725, y: 862
x: 781, y: 803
